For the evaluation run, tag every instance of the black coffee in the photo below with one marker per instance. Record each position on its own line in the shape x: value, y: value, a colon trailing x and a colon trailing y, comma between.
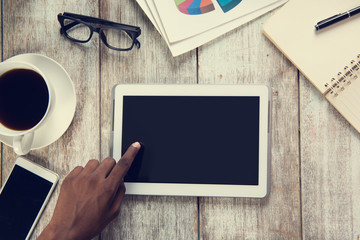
x: 24, y: 98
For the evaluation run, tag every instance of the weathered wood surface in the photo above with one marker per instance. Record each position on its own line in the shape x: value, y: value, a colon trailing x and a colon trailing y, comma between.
x: 32, y: 27
x: 145, y: 217
x: 315, y: 167
x: 1, y: 145
x: 330, y: 169
x: 247, y: 57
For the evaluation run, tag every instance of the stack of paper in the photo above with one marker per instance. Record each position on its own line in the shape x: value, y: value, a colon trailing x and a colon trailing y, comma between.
x: 188, y: 24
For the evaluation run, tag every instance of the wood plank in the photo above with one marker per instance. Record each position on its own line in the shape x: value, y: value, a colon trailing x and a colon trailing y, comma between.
x: 247, y: 57
x: 1, y: 144
x: 330, y: 169
x: 145, y: 217
x: 32, y: 27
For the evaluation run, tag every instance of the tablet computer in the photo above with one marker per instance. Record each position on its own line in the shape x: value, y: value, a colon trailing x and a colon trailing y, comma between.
x: 197, y: 140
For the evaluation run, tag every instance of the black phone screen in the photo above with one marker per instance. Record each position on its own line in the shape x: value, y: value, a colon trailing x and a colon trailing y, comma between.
x: 193, y: 139
x: 20, y: 201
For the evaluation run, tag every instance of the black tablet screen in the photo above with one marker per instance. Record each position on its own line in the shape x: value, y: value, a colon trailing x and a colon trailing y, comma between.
x: 193, y: 139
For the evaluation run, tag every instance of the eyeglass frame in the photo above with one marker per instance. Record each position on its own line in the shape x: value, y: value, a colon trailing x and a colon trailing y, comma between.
x: 132, y: 31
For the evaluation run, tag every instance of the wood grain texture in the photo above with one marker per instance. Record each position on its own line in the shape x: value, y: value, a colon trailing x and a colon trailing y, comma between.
x: 144, y: 217
x: 245, y: 56
x: 1, y: 144
x: 330, y: 169
x: 315, y: 165
x: 32, y: 27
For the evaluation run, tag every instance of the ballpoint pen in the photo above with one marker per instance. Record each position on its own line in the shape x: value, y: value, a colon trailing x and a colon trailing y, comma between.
x: 336, y: 18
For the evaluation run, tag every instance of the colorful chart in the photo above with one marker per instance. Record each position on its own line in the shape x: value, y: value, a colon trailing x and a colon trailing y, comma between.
x: 227, y: 5
x: 194, y: 7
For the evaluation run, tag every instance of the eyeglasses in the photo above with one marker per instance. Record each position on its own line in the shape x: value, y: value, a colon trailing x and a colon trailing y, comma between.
x: 116, y: 36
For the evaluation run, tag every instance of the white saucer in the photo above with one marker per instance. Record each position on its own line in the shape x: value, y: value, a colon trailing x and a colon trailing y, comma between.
x: 64, y: 101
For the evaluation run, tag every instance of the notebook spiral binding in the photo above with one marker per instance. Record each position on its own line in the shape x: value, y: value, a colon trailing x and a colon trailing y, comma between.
x: 336, y: 85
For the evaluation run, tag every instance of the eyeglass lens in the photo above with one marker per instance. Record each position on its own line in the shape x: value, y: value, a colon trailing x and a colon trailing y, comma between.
x: 79, y: 31
x: 116, y: 38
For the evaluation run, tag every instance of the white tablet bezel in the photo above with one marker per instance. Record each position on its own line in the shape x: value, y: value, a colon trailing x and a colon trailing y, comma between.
x: 216, y: 190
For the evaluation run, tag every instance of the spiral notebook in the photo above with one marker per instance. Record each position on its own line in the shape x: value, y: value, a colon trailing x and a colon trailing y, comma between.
x: 329, y: 58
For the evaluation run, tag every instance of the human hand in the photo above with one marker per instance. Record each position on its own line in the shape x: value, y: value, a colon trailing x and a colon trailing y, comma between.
x: 90, y: 198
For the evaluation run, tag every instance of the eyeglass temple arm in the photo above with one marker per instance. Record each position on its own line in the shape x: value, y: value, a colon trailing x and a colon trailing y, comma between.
x: 98, y: 20
x: 137, y: 43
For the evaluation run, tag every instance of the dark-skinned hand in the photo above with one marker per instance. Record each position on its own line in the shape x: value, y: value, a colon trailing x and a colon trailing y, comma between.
x: 90, y: 198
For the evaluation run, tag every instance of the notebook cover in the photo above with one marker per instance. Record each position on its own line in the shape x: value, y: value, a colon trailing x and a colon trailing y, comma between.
x: 319, y: 55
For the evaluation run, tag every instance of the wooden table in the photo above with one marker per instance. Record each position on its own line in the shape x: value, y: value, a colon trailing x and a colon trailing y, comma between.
x: 315, y: 168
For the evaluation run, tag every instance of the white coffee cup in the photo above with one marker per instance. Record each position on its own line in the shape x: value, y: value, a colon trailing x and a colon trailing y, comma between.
x: 25, y: 101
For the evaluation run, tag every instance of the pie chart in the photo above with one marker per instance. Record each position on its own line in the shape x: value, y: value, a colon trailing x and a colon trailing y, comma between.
x: 196, y: 7
x: 227, y: 5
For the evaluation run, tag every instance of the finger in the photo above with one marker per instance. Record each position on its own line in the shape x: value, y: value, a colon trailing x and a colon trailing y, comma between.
x: 105, y: 167
x: 90, y: 167
x: 121, y: 168
x: 126, y: 160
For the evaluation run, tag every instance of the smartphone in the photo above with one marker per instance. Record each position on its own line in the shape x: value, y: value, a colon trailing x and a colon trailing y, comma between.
x: 23, y: 197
